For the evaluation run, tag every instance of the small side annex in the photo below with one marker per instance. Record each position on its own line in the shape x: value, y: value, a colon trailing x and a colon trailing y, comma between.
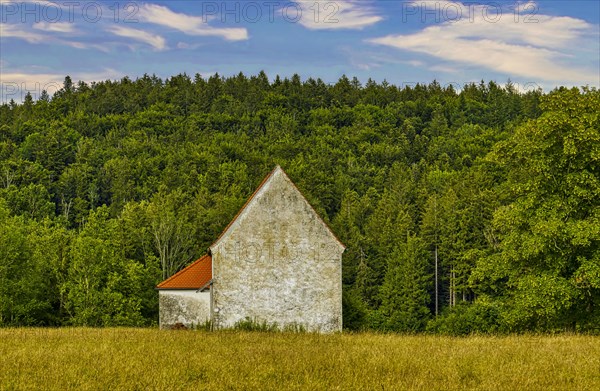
x: 276, y: 262
x: 184, y: 298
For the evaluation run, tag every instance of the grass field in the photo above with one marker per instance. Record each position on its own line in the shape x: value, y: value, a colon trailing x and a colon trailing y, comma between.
x: 140, y: 359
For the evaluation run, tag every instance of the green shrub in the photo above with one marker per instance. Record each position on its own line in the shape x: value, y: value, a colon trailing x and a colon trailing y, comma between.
x: 480, y: 317
x: 248, y: 324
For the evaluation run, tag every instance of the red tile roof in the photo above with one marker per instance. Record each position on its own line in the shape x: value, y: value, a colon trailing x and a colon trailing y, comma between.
x: 198, y: 274
x: 195, y: 276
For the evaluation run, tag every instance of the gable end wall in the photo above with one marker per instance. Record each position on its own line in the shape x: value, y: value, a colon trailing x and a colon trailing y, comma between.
x: 278, y: 263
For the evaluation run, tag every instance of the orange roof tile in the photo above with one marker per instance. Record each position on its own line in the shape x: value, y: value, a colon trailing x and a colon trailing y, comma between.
x: 195, y: 276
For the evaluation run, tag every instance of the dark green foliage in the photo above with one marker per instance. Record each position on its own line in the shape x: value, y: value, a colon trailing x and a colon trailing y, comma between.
x: 548, y: 257
x: 405, y: 290
x: 482, y: 316
x: 248, y: 324
x: 354, y: 310
x: 105, y: 189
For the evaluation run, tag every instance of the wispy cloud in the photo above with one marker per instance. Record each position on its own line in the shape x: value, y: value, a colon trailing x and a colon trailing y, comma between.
x: 16, y: 84
x: 343, y: 14
x: 25, y: 32
x: 187, y: 24
x: 368, y: 59
x: 59, y: 27
x: 154, y: 40
x: 532, y: 50
x: 41, y: 2
x: 21, y: 31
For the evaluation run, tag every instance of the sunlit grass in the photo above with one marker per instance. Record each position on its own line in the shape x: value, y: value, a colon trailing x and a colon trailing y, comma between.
x: 140, y: 359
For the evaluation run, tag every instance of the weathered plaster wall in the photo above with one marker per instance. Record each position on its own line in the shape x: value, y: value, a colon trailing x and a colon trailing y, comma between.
x: 278, y: 263
x: 187, y: 307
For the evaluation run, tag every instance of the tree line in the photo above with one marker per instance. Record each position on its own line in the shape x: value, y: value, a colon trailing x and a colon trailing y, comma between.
x: 462, y: 211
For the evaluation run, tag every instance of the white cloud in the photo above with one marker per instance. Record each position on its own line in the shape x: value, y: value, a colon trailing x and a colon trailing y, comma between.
x: 18, y: 31
x: 16, y: 84
x: 538, y: 51
x: 342, y: 14
x: 58, y: 27
x: 22, y: 31
x: 18, y: 2
x: 367, y: 60
x: 526, y: 7
x: 81, y: 45
x: 187, y: 24
x: 17, y: 10
x: 414, y: 63
x: 442, y: 68
x: 156, y: 41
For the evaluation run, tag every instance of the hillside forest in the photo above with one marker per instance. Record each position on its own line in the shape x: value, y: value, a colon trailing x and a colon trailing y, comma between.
x: 463, y: 211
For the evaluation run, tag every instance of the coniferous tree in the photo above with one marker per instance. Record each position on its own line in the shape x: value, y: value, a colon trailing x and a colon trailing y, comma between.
x: 405, y: 290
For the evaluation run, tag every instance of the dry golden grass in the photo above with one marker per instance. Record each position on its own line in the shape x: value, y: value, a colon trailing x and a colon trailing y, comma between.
x: 140, y: 359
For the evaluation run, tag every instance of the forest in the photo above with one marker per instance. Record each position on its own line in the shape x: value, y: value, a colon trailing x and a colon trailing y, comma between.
x: 463, y: 211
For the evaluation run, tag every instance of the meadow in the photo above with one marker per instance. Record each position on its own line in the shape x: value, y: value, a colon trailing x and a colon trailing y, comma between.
x: 140, y: 359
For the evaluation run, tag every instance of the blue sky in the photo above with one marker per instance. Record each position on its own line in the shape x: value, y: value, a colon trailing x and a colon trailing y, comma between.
x: 535, y: 44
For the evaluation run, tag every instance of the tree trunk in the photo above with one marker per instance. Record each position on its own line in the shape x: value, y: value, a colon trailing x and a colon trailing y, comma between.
x: 436, y: 281
x: 452, y: 299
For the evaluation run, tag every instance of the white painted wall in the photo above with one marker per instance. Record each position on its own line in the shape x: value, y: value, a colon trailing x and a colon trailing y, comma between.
x: 188, y: 307
x: 278, y: 263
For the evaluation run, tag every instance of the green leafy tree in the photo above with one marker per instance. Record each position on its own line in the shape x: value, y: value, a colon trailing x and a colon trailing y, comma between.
x: 550, y: 229
x: 22, y: 295
x: 172, y: 231
x: 107, y: 186
x: 103, y: 286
